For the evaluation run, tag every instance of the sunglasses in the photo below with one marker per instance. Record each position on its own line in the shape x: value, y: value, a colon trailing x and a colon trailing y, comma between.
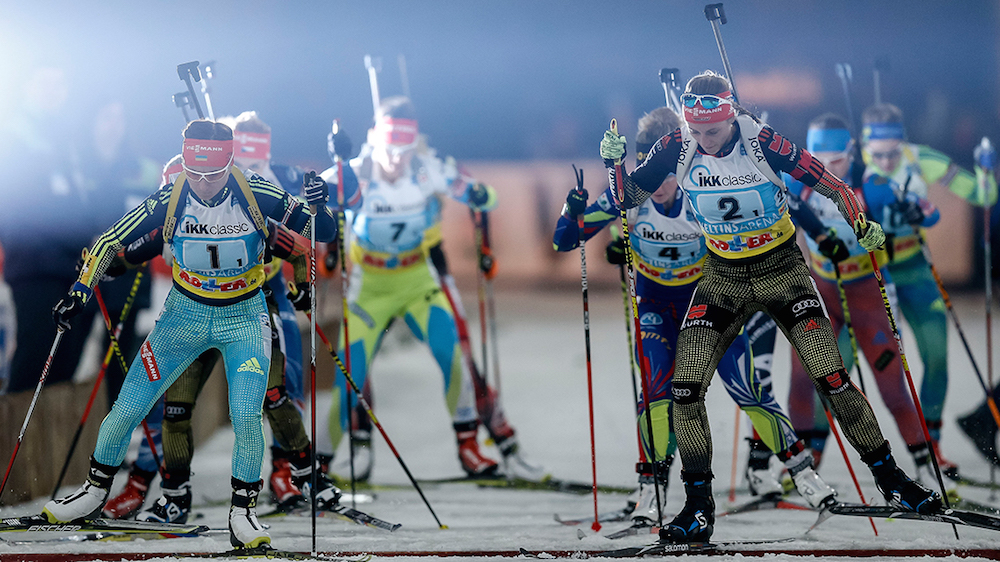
x: 708, y: 101
x: 207, y: 176
x: 888, y: 155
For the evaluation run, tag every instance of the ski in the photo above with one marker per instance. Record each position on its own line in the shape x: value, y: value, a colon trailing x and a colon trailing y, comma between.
x: 607, y: 517
x: 657, y: 549
x: 38, y: 523
x: 340, y: 511
x: 973, y: 482
x: 767, y: 502
x: 267, y: 552
x: 954, y: 516
x: 634, y: 530
x: 549, y: 484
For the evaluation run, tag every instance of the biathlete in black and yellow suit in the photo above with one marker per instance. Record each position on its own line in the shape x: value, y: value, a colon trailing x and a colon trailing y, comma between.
x: 726, y: 166
x: 213, y: 219
x: 401, y: 189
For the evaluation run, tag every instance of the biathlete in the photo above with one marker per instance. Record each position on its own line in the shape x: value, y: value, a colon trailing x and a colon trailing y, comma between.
x: 401, y: 189
x: 829, y: 140
x: 669, y: 251
x: 726, y: 161
x: 917, y: 169
x: 213, y: 220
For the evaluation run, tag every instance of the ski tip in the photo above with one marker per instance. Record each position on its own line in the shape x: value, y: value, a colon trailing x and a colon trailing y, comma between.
x: 580, y: 534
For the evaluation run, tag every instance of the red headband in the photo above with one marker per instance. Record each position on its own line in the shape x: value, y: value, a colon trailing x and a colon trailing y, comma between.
x: 698, y: 113
x: 252, y: 146
x: 170, y: 173
x: 214, y: 154
x: 400, y: 132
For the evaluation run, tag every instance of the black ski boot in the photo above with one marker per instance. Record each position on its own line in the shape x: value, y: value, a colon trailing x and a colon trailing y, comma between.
x: 695, y: 523
x: 897, y: 488
x: 982, y: 430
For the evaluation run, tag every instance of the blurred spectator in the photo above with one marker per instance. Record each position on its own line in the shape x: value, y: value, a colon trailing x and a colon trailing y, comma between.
x: 120, y: 180
x: 44, y: 226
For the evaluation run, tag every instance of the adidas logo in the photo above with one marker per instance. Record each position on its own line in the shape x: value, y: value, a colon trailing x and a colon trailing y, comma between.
x: 251, y: 365
x: 812, y: 324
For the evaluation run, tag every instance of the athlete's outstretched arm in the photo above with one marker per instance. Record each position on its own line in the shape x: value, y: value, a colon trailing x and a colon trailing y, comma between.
x: 596, y: 216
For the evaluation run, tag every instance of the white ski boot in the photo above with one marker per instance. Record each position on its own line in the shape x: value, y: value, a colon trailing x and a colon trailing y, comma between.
x: 86, y: 502
x: 244, y: 529
x: 516, y: 467
x: 807, y: 481
x: 646, y: 513
x: 763, y: 483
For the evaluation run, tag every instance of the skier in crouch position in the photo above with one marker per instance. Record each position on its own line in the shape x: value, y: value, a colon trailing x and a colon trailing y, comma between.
x: 669, y: 251
x: 726, y: 162
x: 213, y: 220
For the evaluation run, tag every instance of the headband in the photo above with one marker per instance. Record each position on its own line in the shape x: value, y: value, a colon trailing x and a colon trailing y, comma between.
x: 171, y: 172
x: 827, y: 140
x: 252, y: 146
x: 399, y: 132
x: 877, y: 131
x: 215, y: 154
x: 722, y: 112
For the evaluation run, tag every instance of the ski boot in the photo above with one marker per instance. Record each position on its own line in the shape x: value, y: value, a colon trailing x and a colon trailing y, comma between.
x: 364, y: 458
x: 244, y: 529
x: 696, y: 521
x: 799, y: 463
x: 646, y: 512
x: 129, y: 501
x: 515, y: 466
x: 473, y: 462
x: 897, y: 488
x: 86, y: 502
x: 759, y: 477
x: 980, y: 427
x: 948, y: 468
x: 327, y: 494
x: 284, y: 493
x: 174, y: 506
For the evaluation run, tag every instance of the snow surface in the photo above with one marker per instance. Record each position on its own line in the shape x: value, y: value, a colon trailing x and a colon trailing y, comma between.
x: 545, y: 395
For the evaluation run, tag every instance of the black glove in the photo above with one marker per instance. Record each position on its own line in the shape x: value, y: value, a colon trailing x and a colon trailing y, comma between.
x: 909, y: 210
x: 300, y: 299
x: 615, y: 252
x: 67, y: 307
x: 330, y: 260
x: 576, y: 202
x: 479, y: 195
x: 315, y: 189
x: 339, y: 144
x: 833, y: 248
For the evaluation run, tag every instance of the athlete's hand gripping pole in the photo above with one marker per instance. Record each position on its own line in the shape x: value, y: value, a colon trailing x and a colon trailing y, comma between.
x: 596, y: 525
x: 113, y: 336
x: 31, y: 407
x: 862, y: 226
x: 97, y: 383
x: 644, y: 368
x: 186, y: 72
x: 371, y: 415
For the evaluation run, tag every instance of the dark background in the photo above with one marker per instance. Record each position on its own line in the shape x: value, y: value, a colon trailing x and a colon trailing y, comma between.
x: 507, y: 79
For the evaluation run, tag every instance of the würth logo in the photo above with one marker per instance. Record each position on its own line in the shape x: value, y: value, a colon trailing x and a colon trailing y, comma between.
x: 697, y: 311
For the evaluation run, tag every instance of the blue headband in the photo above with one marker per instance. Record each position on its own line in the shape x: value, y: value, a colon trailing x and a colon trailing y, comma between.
x: 876, y: 131
x: 827, y: 140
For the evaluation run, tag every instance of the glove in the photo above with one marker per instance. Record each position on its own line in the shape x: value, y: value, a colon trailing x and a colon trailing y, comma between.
x: 833, y: 248
x: 300, y: 299
x: 576, y: 202
x: 479, y: 195
x: 488, y: 264
x: 330, y: 260
x: 910, y: 210
x: 67, y: 307
x: 315, y: 189
x: 872, y: 237
x: 615, y: 252
x: 986, y: 156
x: 339, y: 144
x: 612, y: 147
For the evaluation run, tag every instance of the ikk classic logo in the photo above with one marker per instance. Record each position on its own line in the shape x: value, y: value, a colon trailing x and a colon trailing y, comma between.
x: 701, y: 176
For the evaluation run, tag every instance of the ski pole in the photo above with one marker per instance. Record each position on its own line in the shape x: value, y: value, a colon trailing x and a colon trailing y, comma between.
x: 988, y: 283
x: 628, y: 328
x: 488, y: 265
x: 644, y: 368
x: 477, y: 230
x: 31, y: 407
x: 863, y: 227
x: 736, y: 445
x: 596, y: 526
x: 847, y: 460
x: 341, y: 222
x: 313, y: 476
x: 371, y: 415
x: 124, y: 365
x: 850, y: 327
x: 97, y: 383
